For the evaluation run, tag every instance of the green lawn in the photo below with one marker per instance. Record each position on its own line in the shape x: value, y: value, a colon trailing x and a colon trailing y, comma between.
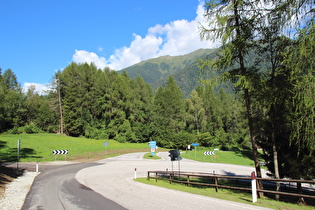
x: 225, y: 194
x: 230, y: 157
x: 39, y: 147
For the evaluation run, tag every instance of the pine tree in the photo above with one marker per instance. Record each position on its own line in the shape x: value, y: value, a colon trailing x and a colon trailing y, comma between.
x: 233, y: 22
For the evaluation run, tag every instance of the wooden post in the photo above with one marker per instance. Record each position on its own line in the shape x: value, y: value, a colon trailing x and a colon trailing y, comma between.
x: 171, y: 177
x: 216, y: 183
x: 299, y: 191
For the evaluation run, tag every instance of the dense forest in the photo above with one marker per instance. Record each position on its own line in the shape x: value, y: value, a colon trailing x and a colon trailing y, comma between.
x: 103, y: 104
x: 272, y: 107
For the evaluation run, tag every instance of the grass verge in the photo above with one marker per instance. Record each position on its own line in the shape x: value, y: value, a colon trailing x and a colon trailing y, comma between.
x: 244, y: 158
x: 226, y: 195
x: 150, y: 157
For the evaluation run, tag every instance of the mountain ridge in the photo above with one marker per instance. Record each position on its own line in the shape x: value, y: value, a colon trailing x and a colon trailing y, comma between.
x: 184, y: 68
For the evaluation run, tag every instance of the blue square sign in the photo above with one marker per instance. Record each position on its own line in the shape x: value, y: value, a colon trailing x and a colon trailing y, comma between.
x: 152, y: 144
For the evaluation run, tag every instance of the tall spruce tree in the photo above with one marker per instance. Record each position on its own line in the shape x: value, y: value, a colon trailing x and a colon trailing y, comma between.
x: 195, y: 113
x: 168, y: 113
x: 233, y: 22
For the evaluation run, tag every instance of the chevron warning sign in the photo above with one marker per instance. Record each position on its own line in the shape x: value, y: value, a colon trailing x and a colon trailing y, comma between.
x: 60, y: 152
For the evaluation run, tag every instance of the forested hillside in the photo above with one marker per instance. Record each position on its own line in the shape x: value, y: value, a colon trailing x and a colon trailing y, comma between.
x: 185, y: 70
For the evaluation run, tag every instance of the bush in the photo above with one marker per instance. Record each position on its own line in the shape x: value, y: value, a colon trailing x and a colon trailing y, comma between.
x: 95, y: 133
x: 183, y: 139
x: 30, y: 128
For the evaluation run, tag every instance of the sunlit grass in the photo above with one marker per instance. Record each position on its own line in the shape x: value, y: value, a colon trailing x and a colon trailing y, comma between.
x: 39, y: 147
x: 149, y: 156
x: 231, y: 157
x: 225, y: 194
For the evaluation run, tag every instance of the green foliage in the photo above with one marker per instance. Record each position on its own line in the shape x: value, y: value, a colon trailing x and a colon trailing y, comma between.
x: 11, y: 100
x: 29, y: 129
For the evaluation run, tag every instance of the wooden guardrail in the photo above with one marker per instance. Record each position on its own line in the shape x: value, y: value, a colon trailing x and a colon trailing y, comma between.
x: 243, y: 183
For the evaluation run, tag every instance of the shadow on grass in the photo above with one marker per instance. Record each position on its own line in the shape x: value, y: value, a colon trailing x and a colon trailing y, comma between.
x: 244, y: 153
x: 2, y: 144
x: 11, y: 154
x: 7, y: 155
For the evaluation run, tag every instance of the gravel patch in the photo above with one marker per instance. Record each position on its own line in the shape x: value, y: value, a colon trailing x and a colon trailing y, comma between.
x: 16, y: 191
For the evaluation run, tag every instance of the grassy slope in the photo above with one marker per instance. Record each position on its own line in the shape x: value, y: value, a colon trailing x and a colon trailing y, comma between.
x: 39, y: 147
x: 231, y: 157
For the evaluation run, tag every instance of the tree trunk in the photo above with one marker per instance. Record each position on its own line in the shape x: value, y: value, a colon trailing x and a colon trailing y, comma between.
x: 253, y: 141
x: 247, y: 100
x: 276, y: 166
x: 60, y: 110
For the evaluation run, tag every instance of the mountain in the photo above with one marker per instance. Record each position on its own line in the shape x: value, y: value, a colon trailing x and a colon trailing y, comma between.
x: 184, y: 69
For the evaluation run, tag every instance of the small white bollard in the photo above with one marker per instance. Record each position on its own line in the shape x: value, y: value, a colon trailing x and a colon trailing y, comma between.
x: 254, y: 188
x: 135, y: 173
x: 36, y: 167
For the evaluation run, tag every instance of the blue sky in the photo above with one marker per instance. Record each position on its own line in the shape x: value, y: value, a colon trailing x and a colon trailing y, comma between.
x: 39, y: 37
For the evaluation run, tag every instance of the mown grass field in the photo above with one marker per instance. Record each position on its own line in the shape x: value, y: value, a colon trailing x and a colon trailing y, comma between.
x: 244, y: 158
x: 39, y: 147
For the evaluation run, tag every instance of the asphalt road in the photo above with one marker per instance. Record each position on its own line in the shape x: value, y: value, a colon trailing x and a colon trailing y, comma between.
x: 114, y: 180
x: 56, y: 188
x: 110, y: 184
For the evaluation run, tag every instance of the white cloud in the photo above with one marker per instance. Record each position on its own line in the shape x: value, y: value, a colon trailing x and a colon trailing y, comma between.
x: 139, y: 49
x: 82, y: 56
x: 39, y: 88
x: 175, y: 38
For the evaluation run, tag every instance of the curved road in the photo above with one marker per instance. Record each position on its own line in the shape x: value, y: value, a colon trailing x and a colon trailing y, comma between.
x: 58, y: 189
x: 109, y: 184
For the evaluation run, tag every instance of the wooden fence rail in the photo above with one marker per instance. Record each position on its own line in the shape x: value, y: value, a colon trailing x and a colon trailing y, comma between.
x: 195, y: 178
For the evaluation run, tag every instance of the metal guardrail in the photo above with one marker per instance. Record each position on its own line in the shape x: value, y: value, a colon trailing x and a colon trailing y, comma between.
x: 193, y: 178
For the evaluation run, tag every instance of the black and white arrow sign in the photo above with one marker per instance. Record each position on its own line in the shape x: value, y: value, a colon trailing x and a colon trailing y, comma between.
x: 208, y: 153
x: 60, y: 152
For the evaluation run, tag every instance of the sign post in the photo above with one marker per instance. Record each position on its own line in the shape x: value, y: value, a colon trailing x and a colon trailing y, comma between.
x: 195, y: 145
x: 18, y: 153
x: 106, y: 145
x: 153, y: 147
x: 60, y: 152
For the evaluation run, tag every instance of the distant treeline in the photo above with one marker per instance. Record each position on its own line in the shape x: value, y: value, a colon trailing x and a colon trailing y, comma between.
x: 102, y: 104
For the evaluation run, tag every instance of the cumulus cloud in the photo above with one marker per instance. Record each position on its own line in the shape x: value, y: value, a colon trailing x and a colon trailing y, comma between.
x: 82, y: 56
x: 141, y: 48
x: 178, y: 37
x: 38, y: 88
